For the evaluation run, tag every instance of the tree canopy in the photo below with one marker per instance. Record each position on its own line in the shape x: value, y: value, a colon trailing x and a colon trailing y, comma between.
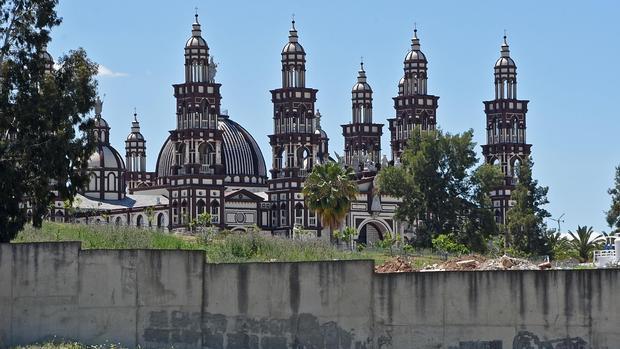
x: 525, y: 220
x: 44, y: 138
x: 329, y: 190
x: 613, y: 215
x: 441, y: 189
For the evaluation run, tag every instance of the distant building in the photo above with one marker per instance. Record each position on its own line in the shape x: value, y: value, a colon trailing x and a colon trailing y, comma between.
x: 506, y: 131
x: 211, y: 164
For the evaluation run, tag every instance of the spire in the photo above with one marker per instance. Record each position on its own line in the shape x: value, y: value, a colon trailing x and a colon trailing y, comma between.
x: 505, y: 47
x: 292, y: 34
x: 361, y: 77
x: 196, y: 26
x: 415, y: 42
x: 135, y: 124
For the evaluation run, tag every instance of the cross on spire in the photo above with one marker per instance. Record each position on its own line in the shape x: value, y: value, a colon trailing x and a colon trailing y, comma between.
x: 196, y: 13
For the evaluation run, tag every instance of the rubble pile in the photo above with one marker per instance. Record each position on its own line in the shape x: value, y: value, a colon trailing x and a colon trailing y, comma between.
x: 508, y: 263
x: 395, y: 265
x: 476, y: 262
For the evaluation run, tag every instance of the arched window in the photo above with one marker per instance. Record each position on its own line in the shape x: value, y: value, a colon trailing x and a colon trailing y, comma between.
x: 93, y: 182
x: 111, y: 182
x: 516, y: 167
x: 304, y: 160
x: 139, y: 221
x: 160, y: 220
x: 180, y: 154
x: 215, y: 212
x: 200, y: 206
x: 283, y: 215
x: 299, y: 214
x: 118, y: 221
x: 207, y: 157
x: 515, y: 130
x: 496, y: 130
x: 184, y: 218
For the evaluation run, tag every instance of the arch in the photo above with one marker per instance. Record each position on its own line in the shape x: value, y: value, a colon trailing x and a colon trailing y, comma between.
x: 299, y: 213
x: 215, y: 211
x: 515, y: 130
x: 118, y: 221
x: 180, y: 154
x: 200, y: 206
x: 515, y: 165
x: 139, y: 220
x: 111, y: 182
x: 206, y: 152
x: 160, y: 220
x: 93, y: 183
x: 372, y: 229
x: 304, y: 157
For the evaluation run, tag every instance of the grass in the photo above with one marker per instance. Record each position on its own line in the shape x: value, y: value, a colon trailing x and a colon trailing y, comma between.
x: 223, y: 248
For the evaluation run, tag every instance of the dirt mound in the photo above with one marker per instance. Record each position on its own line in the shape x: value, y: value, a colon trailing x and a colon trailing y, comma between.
x: 395, y: 265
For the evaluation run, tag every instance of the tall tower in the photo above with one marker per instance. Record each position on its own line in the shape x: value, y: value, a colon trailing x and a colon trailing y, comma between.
x: 135, y: 155
x: 297, y: 142
x: 196, y: 183
x: 506, y: 137
x: 362, y: 137
x: 415, y: 109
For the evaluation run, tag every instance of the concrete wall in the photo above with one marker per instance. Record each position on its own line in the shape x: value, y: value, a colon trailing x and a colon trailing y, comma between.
x: 169, y: 299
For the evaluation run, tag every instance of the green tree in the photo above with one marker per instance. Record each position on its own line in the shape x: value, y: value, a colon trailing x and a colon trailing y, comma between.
x: 346, y: 235
x: 613, y: 215
x: 329, y: 190
x: 440, y: 191
x: 44, y: 138
x: 558, y: 245
x: 583, y: 243
x: 525, y: 223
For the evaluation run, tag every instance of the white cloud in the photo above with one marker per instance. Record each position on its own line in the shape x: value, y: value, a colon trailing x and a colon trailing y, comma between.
x: 107, y: 72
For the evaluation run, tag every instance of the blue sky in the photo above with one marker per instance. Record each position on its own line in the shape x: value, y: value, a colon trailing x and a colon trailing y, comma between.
x: 566, y: 54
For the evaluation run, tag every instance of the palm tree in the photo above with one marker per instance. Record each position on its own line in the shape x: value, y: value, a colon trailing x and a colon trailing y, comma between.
x: 583, y: 244
x: 329, y: 190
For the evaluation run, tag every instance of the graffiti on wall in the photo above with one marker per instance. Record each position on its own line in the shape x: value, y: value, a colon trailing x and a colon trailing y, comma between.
x: 527, y: 340
x: 216, y: 331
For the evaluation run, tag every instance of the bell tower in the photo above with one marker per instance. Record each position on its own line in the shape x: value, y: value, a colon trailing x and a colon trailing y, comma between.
x: 416, y: 110
x: 197, y: 172
x: 135, y: 156
x: 506, y: 124
x: 362, y: 137
x: 297, y: 142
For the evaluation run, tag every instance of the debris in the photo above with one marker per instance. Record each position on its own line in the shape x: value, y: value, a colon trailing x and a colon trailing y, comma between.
x: 395, y: 265
x: 470, y: 263
x: 544, y: 265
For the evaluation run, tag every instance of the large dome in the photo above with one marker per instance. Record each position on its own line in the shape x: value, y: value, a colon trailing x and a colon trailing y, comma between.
x: 242, y: 158
x: 106, y: 157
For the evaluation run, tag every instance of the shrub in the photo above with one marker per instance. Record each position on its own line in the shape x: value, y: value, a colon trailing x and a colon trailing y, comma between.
x: 445, y: 243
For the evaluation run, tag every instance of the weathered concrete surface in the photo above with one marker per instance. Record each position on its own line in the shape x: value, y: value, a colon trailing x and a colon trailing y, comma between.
x: 166, y: 299
x: 282, y: 305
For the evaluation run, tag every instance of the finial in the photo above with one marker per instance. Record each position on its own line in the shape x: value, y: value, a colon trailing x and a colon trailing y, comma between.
x: 415, y: 29
x: 293, y: 20
x: 505, y: 37
x: 135, y: 114
x: 196, y: 13
x: 362, y: 63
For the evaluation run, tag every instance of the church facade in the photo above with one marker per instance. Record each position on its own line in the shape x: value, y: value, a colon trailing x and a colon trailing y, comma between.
x: 211, y: 164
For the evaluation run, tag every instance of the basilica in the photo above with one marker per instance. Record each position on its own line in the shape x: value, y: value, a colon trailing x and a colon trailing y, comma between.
x: 211, y: 164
